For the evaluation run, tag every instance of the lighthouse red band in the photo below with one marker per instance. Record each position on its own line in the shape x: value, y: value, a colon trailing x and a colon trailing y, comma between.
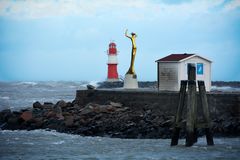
x: 112, y: 63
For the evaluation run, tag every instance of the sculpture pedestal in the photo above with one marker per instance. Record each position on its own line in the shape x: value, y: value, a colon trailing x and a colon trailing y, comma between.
x: 130, y: 81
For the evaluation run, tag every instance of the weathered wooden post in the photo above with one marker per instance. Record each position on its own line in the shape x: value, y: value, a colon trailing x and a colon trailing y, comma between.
x: 191, y: 72
x: 191, y: 116
x: 191, y: 137
x: 178, y: 118
x: 204, y: 104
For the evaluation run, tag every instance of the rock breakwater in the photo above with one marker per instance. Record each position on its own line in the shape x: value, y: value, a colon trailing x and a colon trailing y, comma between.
x: 111, y: 119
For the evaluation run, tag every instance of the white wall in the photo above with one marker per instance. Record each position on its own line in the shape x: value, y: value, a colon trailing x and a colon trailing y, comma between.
x: 206, y: 77
x: 168, y: 76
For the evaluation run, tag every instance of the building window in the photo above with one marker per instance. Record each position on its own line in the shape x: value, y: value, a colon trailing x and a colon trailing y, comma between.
x: 200, y: 68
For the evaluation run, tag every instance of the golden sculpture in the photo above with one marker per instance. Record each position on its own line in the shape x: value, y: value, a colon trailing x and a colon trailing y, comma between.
x: 134, y: 50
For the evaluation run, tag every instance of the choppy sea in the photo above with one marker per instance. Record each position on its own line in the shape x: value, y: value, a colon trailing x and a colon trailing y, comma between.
x: 50, y: 145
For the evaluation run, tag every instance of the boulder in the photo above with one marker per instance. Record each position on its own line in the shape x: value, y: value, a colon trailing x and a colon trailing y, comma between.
x: 38, y: 122
x: 114, y: 104
x: 69, y: 104
x: 167, y: 123
x: 96, y: 108
x: 76, y: 106
x: 122, y: 109
x: 13, y: 120
x: 60, y: 116
x: 76, y: 117
x: 53, y: 123
x: 57, y: 109
x: 37, y: 105
x: 27, y: 115
x: 69, y: 121
x: 66, y: 114
x: 61, y: 104
x: 90, y: 87
x: 110, y: 108
x: 87, y: 109
x: 36, y: 112
x: 51, y: 114
x: 48, y: 105
x: 5, y: 114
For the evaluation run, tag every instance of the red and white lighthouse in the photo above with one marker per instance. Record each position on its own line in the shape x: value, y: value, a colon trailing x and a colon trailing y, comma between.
x: 112, y: 63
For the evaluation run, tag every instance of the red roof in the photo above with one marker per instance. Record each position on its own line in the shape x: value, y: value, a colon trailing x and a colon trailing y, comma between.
x: 174, y: 57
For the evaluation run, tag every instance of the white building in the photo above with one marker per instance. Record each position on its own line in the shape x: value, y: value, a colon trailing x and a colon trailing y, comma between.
x: 174, y: 68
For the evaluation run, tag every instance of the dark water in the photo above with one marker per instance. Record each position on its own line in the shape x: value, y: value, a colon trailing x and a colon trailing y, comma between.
x: 50, y: 145
x: 44, y: 145
x: 16, y: 95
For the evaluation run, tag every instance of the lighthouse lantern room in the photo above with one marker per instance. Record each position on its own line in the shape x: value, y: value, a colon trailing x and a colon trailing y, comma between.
x: 112, y: 63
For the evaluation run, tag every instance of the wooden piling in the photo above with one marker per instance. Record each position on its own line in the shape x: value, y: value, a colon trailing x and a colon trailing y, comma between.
x: 191, y: 72
x: 191, y: 104
x: 178, y: 118
x: 204, y: 104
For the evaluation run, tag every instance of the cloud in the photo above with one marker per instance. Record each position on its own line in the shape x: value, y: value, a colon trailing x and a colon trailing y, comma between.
x: 126, y: 9
x: 48, y: 8
x: 232, y: 5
